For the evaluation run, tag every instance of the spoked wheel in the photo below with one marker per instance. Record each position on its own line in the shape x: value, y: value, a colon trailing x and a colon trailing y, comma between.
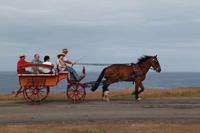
x: 76, y: 93
x: 35, y: 92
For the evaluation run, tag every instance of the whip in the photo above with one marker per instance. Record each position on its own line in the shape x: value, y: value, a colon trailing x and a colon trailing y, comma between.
x: 79, y: 59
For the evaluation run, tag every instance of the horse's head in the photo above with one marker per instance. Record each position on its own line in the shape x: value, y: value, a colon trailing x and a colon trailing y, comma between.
x: 155, y: 64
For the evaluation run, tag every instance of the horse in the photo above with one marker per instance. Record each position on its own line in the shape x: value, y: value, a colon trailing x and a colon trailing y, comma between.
x: 127, y: 72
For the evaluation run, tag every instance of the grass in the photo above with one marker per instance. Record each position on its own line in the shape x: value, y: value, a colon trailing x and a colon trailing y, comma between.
x: 161, y: 95
x: 154, y: 95
x: 70, y: 131
x: 88, y: 131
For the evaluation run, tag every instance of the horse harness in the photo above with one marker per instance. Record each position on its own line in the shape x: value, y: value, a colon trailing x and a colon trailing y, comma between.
x: 134, y: 74
x: 136, y: 71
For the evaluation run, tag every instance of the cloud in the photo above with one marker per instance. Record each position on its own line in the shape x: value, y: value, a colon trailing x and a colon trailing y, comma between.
x: 107, y: 31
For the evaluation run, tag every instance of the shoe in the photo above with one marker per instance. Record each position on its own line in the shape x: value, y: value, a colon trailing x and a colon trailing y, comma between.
x: 72, y: 80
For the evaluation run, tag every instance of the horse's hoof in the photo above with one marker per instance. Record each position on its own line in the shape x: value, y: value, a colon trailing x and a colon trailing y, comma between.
x: 139, y: 99
x: 107, y: 99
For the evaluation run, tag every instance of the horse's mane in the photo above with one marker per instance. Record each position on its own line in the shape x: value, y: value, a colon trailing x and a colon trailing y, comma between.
x: 143, y: 59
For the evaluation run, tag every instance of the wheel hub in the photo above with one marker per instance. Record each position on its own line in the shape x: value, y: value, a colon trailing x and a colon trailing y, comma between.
x: 76, y: 93
x: 35, y: 92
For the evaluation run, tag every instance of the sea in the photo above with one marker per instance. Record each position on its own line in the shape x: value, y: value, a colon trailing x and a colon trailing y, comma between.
x: 9, y: 81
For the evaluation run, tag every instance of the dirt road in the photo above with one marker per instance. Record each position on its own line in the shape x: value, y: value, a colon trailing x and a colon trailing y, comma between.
x: 96, y: 110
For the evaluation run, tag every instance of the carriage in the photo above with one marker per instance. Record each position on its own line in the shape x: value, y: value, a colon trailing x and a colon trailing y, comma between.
x: 36, y: 87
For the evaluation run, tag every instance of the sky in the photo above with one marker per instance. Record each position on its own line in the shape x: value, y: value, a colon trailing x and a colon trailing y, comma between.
x: 105, y: 31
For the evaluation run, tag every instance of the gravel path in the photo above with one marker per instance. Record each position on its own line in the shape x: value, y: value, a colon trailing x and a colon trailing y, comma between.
x: 96, y: 110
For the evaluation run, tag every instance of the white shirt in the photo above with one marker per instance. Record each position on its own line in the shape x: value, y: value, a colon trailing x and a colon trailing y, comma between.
x: 64, y: 59
x: 60, y: 67
x: 46, y: 70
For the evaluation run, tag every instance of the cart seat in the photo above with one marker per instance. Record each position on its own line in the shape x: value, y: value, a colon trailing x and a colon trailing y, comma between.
x: 63, y: 72
x: 36, y: 65
x: 36, y: 75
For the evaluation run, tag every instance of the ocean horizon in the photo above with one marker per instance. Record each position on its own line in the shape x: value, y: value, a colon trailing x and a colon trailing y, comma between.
x: 9, y: 81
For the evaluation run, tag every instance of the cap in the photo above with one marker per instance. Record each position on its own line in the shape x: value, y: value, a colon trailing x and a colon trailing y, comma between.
x: 65, y: 50
x: 21, y: 55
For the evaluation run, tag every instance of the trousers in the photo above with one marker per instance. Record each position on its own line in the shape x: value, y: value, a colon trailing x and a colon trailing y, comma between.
x: 73, y: 73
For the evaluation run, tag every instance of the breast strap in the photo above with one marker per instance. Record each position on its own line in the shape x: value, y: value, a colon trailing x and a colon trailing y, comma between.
x: 136, y: 71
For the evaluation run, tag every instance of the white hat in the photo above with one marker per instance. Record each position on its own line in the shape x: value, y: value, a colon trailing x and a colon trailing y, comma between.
x: 60, y: 54
x: 21, y: 55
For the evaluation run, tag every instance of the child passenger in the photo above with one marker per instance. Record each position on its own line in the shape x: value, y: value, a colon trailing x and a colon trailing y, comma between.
x: 46, y: 61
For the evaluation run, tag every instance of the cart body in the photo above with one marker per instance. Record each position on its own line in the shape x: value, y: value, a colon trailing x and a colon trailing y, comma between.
x: 35, y: 87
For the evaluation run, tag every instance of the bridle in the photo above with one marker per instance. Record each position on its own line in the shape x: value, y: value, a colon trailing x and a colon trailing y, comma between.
x: 156, y: 64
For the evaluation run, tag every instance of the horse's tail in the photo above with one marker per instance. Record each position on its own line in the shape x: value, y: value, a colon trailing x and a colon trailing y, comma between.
x: 98, y: 80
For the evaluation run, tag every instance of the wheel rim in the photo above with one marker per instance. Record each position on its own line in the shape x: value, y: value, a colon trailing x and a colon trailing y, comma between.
x: 76, y: 93
x: 35, y: 92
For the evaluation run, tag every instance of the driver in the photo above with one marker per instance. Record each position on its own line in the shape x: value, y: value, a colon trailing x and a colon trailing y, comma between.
x: 73, y: 73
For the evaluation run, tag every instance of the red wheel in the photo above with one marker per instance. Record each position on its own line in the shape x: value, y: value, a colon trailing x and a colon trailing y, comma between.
x: 35, y: 92
x: 76, y: 93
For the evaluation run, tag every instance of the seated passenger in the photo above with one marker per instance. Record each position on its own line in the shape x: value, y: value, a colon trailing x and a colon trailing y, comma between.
x: 46, y: 61
x: 20, y: 62
x: 61, y: 65
x: 36, y: 60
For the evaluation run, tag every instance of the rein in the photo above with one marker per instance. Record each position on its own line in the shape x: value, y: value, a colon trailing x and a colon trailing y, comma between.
x: 96, y: 64
x: 101, y: 64
x: 135, y: 73
x: 155, y: 62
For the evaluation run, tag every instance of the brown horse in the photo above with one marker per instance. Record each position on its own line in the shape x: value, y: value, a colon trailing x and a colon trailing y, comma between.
x: 127, y: 72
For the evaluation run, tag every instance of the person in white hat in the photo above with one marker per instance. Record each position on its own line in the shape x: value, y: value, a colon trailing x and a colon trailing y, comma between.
x: 20, y: 62
x: 61, y: 65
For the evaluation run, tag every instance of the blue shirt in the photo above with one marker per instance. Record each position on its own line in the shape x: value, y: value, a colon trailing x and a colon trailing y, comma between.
x: 37, y: 61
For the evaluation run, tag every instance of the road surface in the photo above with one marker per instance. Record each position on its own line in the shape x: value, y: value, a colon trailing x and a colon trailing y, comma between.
x: 95, y: 110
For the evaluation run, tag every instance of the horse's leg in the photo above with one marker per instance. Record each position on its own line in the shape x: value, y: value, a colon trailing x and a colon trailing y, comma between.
x: 142, y: 88
x: 105, y: 92
x: 137, y: 85
x: 133, y: 93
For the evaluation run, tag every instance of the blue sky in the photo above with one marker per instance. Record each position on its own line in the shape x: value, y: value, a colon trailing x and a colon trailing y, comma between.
x: 106, y: 31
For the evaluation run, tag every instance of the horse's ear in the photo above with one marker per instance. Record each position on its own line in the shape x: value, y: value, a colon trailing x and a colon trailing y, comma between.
x: 156, y: 56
